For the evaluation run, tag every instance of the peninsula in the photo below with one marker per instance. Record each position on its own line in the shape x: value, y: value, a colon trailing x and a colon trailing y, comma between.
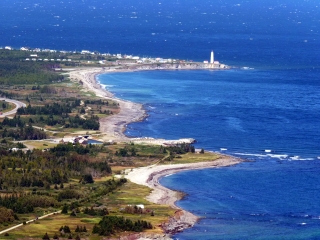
x: 59, y: 116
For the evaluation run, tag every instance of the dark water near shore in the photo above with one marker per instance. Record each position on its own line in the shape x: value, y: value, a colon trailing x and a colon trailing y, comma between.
x: 274, y: 105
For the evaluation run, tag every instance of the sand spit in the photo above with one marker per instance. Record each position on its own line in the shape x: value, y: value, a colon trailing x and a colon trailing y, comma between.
x: 149, y: 176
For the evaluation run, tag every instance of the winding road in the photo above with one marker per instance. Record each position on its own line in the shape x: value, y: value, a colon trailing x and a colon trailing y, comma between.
x: 13, y: 111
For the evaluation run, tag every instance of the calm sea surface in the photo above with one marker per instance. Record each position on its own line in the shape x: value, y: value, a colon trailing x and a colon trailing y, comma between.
x: 273, y: 104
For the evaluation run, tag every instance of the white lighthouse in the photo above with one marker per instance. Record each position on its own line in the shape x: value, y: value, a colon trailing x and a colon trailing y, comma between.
x: 212, y: 58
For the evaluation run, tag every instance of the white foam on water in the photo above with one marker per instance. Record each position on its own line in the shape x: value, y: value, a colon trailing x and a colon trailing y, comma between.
x: 251, y: 154
x: 280, y: 156
x: 304, y: 159
x: 302, y: 224
x: 105, y: 85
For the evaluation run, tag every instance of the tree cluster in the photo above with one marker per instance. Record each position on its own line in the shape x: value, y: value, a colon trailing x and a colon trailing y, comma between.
x: 181, y: 148
x: 48, y: 109
x: 7, y: 215
x: 69, y: 194
x: 25, y: 203
x: 41, y: 169
x: 112, y: 224
x: 126, y: 152
x: 18, y: 72
x: 57, y: 113
x: 81, y: 229
x: 96, y: 211
x: 91, y: 123
x: 23, y: 133
x: 13, y: 70
x: 96, y: 102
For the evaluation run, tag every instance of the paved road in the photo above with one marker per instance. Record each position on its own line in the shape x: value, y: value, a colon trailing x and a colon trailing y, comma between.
x: 30, y: 221
x: 13, y: 111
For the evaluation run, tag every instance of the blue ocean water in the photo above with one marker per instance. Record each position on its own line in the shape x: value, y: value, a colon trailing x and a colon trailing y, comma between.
x: 274, y: 105
x: 258, y: 200
x: 244, y: 111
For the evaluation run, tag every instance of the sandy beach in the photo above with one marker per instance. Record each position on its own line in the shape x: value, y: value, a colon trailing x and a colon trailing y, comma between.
x: 113, y: 127
x: 150, y: 175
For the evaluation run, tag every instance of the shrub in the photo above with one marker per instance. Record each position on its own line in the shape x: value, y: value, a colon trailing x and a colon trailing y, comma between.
x: 64, y: 209
x: 46, y: 237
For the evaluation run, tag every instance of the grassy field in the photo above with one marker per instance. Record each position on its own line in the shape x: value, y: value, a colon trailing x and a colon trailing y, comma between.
x: 194, y: 158
x: 51, y: 225
x: 128, y: 194
x: 42, y: 144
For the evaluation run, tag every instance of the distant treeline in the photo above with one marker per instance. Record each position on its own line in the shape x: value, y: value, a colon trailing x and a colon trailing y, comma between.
x: 12, y: 73
x: 15, y: 71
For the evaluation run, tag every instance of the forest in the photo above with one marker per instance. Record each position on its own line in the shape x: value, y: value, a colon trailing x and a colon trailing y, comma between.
x: 24, y: 174
x: 27, y: 73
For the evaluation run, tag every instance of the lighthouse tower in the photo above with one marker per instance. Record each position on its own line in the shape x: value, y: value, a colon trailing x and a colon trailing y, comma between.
x: 212, y: 58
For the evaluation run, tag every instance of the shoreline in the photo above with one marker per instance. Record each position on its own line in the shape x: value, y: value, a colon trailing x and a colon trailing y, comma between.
x: 151, y: 175
x: 113, y: 127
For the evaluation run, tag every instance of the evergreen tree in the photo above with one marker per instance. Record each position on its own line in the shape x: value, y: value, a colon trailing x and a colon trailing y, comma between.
x: 64, y: 209
x: 46, y: 237
x: 66, y: 229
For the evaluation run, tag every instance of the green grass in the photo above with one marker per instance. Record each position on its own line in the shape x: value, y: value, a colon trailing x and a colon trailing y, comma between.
x: 194, y: 158
x: 38, y: 229
x: 128, y: 194
x: 39, y: 144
